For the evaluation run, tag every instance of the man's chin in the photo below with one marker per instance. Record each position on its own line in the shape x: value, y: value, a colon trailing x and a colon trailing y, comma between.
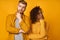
x: 20, y: 12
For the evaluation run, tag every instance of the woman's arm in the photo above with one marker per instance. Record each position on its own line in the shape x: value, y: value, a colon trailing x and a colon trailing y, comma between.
x: 42, y: 31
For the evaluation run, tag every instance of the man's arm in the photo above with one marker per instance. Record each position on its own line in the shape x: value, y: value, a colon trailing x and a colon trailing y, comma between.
x: 25, y: 24
x: 9, y: 27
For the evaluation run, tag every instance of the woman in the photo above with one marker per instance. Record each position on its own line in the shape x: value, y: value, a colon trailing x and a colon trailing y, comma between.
x: 37, y: 31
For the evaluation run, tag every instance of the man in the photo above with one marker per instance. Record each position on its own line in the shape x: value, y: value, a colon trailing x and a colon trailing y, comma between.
x: 17, y: 24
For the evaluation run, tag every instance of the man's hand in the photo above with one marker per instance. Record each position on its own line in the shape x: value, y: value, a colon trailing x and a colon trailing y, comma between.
x: 21, y: 31
x: 19, y: 17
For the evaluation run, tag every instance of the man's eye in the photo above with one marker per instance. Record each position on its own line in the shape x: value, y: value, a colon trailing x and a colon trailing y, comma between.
x: 19, y: 6
x: 23, y: 7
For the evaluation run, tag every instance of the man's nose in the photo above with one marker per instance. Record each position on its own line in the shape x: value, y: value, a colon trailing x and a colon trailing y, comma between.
x: 21, y: 8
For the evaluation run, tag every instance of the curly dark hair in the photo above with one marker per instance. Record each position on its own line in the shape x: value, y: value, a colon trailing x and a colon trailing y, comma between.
x: 34, y: 12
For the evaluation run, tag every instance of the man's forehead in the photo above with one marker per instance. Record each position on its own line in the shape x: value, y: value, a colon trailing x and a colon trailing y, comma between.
x: 21, y: 4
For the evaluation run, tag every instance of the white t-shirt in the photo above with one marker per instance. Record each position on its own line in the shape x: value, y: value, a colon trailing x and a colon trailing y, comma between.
x: 18, y: 36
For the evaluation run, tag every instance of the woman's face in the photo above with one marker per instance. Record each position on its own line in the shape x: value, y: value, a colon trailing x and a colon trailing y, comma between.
x: 39, y: 15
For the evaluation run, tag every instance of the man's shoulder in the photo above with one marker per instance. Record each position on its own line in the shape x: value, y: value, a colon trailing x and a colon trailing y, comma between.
x: 26, y: 16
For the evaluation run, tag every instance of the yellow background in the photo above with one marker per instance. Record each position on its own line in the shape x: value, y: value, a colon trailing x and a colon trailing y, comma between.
x: 51, y: 11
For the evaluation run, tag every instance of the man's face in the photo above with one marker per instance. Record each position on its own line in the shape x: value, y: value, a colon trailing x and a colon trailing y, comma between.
x: 21, y: 7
